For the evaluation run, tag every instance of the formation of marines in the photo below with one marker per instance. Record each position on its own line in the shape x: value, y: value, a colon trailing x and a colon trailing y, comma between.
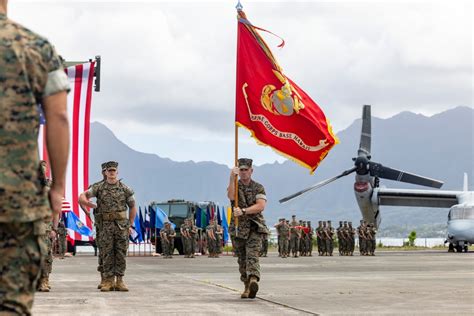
x: 346, y: 238
x: 295, y: 237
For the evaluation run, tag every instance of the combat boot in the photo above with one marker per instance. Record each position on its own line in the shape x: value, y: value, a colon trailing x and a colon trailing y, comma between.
x: 108, y: 284
x: 42, y: 285
x: 253, y: 287
x: 120, y: 286
x: 245, y: 293
x: 102, y: 281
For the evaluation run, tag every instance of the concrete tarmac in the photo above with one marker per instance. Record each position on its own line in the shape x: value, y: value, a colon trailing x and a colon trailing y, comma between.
x: 391, y: 283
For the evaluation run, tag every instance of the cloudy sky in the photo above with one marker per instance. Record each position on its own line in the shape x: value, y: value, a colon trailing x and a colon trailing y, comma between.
x: 168, y: 76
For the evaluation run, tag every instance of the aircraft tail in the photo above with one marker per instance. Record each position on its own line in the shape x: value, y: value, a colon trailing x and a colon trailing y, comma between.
x: 465, y: 188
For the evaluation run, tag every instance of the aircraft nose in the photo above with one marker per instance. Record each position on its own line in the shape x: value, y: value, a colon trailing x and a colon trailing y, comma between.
x: 461, y: 230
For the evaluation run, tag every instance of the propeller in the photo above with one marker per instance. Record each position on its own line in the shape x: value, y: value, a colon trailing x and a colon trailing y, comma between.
x: 378, y: 170
x: 363, y: 165
x: 317, y: 185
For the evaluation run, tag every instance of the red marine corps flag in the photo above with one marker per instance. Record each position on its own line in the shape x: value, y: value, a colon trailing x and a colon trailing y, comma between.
x: 277, y: 112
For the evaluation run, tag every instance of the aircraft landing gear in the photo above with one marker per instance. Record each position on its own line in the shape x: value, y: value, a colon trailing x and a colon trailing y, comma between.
x: 459, y: 248
x: 451, y: 247
x: 465, y: 248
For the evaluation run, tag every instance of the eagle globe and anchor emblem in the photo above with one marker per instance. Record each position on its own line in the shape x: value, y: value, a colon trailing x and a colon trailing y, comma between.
x: 285, y: 101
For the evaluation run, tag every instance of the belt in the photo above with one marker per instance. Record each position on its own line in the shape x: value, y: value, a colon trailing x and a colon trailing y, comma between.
x: 108, y: 217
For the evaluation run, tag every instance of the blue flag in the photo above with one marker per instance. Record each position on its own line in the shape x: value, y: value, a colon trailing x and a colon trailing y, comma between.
x: 152, y: 217
x: 198, y: 218
x: 162, y: 218
x: 142, y: 226
x: 74, y: 223
x: 136, y: 235
x: 208, y: 217
x: 225, y: 227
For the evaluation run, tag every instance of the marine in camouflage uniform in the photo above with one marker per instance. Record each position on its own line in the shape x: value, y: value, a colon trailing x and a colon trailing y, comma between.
x: 294, y: 236
x: 30, y: 74
x: 167, y: 235
x: 113, y: 198
x: 278, y: 228
x: 47, y: 264
x: 193, y: 232
x: 61, y: 239
x: 351, y: 233
x: 319, y: 238
x: 371, y: 232
x: 340, y: 239
x: 186, y: 238
x: 330, y: 239
x: 310, y: 239
x: 251, y: 224
x: 362, y: 238
x: 211, y: 239
x: 219, y: 233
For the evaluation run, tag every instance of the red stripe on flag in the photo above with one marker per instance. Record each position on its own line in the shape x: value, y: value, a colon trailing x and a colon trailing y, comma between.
x: 75, y: 142
x: 87, y: 133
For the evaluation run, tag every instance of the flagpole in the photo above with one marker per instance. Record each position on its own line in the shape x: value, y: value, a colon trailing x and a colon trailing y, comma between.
x: 236, y: 157
x: 236, y: 180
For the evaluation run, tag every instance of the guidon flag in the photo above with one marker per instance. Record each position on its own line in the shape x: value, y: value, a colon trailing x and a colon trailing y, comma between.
x: 272, y: 107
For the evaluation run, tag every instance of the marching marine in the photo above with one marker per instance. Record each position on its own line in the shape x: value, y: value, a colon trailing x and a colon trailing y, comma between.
x: 294, y: 236
x: 247, y: 232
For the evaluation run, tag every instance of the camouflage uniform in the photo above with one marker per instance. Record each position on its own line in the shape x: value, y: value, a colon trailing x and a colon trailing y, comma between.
x: 294, y: 238
x: 218, y: 232
x: 167, y: 240
x: 371, y: 243
x: 248, y: 242
x: 112, y: 200
x: 62, y: 239
x: 340, y: 239
x: 362, y: 238
x: 351, y: 232
x: 47, y: 264
x: 185, y: 239
x: 283, y: 239
x: 329, y: 239
x: 28, y: 65
x: 211, y: 241
x: 319, y: 239
x: 264, y: 250
x: 194, y: 235
x: 310, y: 239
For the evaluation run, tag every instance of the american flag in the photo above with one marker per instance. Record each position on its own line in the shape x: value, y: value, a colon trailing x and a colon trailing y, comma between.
x: 77, y: 174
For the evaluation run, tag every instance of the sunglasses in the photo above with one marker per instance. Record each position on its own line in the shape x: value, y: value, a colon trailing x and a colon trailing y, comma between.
x: 111, y: 170
x: 244, y: 169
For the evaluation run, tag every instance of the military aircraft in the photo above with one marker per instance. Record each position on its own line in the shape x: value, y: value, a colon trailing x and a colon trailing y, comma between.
x: 370, y: 195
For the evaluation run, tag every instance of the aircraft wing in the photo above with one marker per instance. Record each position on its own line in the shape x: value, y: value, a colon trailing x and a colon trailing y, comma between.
x: 417, y: 198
